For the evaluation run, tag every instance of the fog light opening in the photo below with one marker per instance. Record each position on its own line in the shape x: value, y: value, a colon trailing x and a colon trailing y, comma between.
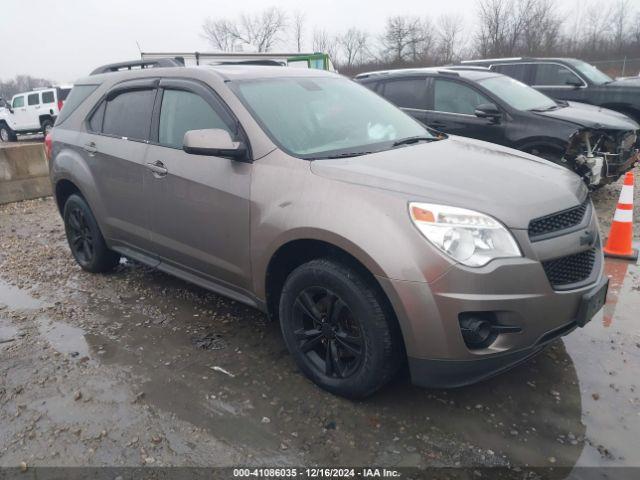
x: 478, y: 329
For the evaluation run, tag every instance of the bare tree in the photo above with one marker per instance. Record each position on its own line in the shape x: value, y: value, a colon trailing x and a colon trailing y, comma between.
x: 261, y: 30
x: 21, y: 83
x: 406, y: 38
x: 353, y: 46
x: 619, y: 19
x: 449, y: 33
x: 220, y: 34
x: 323, y: 42
x: 541, y: 28
x: 298, y: 27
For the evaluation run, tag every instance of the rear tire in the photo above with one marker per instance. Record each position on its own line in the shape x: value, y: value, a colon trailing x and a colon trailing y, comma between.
x: 85, y: 239
x: 6, y: 134
x: 336, y: 327
x: 47, y: 125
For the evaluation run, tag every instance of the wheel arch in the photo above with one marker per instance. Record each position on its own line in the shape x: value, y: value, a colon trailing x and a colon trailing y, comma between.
x: 45, y: 117
x: 63, y: 189
x: 295, y: 252
x: 543, y: 143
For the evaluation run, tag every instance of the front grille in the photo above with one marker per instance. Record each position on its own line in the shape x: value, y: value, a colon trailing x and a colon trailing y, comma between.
x: 570, y: 269
x: 558, y: 221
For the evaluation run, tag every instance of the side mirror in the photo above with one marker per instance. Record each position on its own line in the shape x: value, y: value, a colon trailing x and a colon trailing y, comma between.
x: 574, y: 82
x: 214, y: 142
x: 488, y: 110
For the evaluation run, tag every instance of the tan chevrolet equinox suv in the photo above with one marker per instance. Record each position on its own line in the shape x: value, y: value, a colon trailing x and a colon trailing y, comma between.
x: 372, y: 240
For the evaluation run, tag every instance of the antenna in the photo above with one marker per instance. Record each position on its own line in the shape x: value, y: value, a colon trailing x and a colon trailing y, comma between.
x: 139, y: 49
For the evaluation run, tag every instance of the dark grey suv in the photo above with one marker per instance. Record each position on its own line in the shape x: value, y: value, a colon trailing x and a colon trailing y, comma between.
x: 301, y: 193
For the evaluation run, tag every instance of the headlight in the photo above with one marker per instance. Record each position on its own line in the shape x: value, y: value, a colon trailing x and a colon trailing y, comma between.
x: 471, y: 238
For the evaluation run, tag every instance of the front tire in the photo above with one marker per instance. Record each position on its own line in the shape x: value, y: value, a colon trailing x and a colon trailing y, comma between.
x: 335, y: 325
x: 85, y: 239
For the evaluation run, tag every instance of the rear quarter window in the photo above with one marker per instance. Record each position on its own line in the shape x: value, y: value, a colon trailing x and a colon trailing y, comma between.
x: 78, y: 95
x: 63, y: 93
x: 48, y: 97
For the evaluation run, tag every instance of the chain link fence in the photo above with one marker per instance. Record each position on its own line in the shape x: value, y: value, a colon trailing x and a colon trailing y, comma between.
x: 626, y: 67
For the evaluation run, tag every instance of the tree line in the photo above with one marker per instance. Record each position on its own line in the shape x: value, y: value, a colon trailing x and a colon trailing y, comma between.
x: 21, y: 83
x: 589, y: 29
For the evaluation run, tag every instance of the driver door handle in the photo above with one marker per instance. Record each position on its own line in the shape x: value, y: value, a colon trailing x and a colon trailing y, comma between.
x: 158, y: 168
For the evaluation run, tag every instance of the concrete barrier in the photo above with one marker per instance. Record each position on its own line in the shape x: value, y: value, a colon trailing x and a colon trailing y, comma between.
x: 24, y: 173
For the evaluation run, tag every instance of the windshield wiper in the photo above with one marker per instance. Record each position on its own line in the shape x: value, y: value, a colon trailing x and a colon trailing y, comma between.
x: 412, y: 140
x: 340, y: 155
x: 548, y: 109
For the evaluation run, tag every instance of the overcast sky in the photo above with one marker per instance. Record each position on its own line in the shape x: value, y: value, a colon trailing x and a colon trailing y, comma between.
x: 65, y: 39
x: 62, y: 40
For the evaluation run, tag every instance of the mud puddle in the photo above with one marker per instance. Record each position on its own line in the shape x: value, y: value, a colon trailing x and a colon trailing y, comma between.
x: 14, y: 298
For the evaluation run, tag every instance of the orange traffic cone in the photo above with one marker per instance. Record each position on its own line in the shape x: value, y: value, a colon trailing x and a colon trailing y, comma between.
x: 619, y: 243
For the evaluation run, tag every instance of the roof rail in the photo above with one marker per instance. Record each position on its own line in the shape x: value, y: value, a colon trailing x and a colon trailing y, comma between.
x: 468, y: 67
x: 447, y: 72
x: 139, y: 64
x: 493, y: 60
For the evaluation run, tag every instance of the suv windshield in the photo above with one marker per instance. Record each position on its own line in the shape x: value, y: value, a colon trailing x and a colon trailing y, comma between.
x: 326, y: 117
x: 517, y: 94
x: 591, y: 72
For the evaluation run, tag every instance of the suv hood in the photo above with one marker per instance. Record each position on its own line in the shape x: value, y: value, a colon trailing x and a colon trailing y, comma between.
x: 633, y: 82
x: 509, y: 185
x: 590, y: 116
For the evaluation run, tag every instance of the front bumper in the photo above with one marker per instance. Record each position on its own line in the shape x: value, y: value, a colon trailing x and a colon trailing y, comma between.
x: 615, y: 169
x: 439, y: 373
x: 517, y: 292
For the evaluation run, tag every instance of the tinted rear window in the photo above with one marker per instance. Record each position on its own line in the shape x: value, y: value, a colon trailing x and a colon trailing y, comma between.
x: 33, y: 99
x: 78, y: 95
x: 407, y: 93
x: 129, y: 114
x: 514, y: 71
x: 47, y: 97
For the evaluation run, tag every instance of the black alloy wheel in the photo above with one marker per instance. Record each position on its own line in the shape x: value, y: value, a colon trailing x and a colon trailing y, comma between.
x: 328, y: 333
x: 80, y: 236
x: 85, y: 238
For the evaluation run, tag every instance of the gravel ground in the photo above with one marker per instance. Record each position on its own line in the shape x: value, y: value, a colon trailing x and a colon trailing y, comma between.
x: 138, y: 368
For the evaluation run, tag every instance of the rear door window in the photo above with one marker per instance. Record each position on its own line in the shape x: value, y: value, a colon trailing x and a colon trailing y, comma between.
x: 519, y: 72
x: 128, y: 115
x: 182, y: 111
x: 455, y: 97
x: 47, y: 97
x: 33, y: 99
x: 553, y: 74
x: 407, y: 92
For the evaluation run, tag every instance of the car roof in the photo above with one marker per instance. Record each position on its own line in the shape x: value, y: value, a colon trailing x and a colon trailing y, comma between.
x: 474, y: 74
x: 227, y: 72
